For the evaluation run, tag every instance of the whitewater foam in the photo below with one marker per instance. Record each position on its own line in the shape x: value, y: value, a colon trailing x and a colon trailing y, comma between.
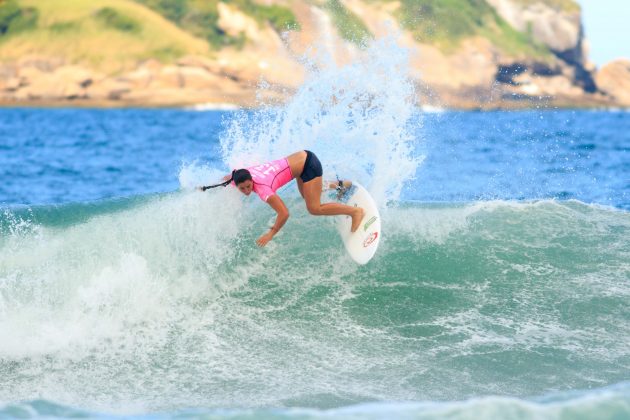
x: 99, y: 276
x: 358, y: 118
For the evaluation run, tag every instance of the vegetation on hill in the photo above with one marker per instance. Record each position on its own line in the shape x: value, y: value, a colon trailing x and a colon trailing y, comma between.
x: 112, y: 18
x: 108, y: 35
x: 350, y: 27
x: 14, y: 19
x: 564, y: 5
x: 446, y: 23
x: 281, y: 18
x: 200, y: 17
x: 113, y: 35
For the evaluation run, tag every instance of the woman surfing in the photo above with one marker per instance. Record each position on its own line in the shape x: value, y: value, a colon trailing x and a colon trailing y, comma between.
x: 306, y: 169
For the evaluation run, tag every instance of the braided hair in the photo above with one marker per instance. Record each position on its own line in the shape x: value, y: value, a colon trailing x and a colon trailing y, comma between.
x: 238, y: 176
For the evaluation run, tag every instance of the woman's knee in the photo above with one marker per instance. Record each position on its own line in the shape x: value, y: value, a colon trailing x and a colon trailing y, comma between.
x: 314, y: 209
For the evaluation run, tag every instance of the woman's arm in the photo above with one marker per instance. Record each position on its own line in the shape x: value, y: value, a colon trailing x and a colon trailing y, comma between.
x: 282, y: 216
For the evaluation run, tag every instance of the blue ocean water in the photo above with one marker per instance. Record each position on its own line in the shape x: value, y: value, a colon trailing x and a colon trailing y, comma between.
x: 500, y: 289
x: 75, y: 155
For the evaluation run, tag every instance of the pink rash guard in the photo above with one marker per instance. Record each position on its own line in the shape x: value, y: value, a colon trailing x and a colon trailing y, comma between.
x: 268, y: 177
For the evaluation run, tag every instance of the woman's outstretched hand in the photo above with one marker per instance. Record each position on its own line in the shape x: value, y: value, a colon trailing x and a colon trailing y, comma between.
x: 263, y: 240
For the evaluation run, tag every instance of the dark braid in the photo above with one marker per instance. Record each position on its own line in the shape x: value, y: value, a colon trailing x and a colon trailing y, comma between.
x: 222, y: 184
x: 238, y: 176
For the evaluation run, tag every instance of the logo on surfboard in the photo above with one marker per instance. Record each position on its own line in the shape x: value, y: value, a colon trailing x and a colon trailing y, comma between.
x: 369, y: 223
x: 370, y: 239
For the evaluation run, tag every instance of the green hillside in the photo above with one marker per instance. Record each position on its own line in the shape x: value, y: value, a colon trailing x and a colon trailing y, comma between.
x: 350, y: 27
x: 565, y: 5
x: 112, y: 35
x: 445, y: 23
x: 200, y: 17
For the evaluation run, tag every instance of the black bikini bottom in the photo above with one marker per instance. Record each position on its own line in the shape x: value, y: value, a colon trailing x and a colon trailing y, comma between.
x: 312, y: 167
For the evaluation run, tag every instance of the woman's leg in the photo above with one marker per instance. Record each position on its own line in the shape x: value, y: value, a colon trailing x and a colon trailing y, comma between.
x: 312, y: 193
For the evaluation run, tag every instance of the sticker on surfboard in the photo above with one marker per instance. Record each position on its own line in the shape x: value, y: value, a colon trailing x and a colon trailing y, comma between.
x: 362, y: 244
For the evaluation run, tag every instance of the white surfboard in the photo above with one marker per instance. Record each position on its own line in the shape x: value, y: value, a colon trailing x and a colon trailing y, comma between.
x: 362, y: 244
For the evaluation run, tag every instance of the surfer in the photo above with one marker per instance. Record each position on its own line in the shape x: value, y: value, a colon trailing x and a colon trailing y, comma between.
x: 306, y: 169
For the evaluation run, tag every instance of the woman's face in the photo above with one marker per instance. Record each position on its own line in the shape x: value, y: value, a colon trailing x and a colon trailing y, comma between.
x: 246, y: 187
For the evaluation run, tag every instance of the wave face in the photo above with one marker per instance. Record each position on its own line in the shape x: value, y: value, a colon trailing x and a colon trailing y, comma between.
x: 165, y: 302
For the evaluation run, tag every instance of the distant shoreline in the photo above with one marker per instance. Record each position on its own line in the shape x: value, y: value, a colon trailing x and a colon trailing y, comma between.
x: 201, y: 107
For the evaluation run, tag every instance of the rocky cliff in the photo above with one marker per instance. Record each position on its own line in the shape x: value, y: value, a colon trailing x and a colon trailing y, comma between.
x: 489, y: 53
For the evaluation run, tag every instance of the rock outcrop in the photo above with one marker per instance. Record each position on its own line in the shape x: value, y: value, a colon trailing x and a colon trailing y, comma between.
x: 191, y: 80
x: 614, y: 80
x: 560, y: 29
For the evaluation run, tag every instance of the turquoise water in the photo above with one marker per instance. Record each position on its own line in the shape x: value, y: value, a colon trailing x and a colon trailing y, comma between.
x: 501, y: 287
x: 165, y: 305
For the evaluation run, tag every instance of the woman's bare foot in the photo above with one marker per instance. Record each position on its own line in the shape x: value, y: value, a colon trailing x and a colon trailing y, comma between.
x: 357, y: 217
